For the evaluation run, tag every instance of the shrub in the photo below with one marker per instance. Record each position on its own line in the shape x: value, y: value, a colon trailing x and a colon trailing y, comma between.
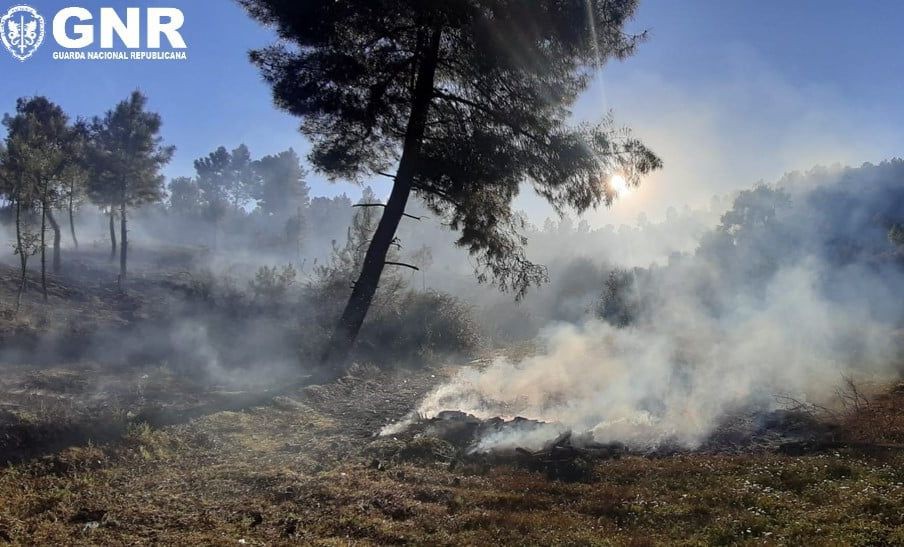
x: 403, y: 326
x: 617, y: 304
x: 271, y: 283
x: 417, y: 327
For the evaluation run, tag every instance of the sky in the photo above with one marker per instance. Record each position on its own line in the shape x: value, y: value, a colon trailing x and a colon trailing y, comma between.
x: 727, y: 93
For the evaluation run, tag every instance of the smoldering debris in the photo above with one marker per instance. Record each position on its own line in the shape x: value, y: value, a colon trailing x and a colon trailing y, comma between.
x: 454, y: 436
x: 561, y: 453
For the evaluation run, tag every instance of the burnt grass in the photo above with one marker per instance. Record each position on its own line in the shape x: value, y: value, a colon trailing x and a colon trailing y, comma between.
x: 98, y: 454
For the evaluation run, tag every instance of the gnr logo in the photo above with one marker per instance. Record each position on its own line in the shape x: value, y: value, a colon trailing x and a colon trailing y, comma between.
x: 158, y: 22
x: 76, y: 28
x: 22, y: 31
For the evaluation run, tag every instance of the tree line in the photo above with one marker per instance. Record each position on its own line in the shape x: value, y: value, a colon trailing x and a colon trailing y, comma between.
x: 51, y: 165
x: 230, y: 187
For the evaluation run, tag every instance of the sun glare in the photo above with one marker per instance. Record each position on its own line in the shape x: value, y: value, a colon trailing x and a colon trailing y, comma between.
x: 619, y: 185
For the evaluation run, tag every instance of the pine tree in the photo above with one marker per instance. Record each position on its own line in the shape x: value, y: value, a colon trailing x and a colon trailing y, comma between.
x: 39, y: 144
x: 334, y: 277
x: 101, y: 190
x: 16, y: 160
x: 126, y: 157
x: 281, y: 188
x: 184, y: 196
x: 467, y: 99
x: 75, y: 174
x: 282, y: 194
x: 225, y: 180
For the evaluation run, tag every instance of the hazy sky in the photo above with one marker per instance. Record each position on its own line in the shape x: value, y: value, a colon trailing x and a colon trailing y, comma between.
x: 726, y: 92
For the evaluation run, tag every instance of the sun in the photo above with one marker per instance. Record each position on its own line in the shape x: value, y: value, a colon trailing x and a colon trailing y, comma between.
x: 619, y: 185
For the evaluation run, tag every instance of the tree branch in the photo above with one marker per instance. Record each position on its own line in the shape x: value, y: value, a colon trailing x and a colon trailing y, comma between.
x: 402, y: 264
x: 383, y: 205
x: 497, y: 117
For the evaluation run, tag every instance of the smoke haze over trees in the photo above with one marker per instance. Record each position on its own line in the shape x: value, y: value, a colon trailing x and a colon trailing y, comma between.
x: 430, y: 89
x: 678, y: 303
x: 408, y: 280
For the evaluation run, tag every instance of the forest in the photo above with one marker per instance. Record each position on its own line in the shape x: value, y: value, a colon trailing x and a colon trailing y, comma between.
x: 376, y: 338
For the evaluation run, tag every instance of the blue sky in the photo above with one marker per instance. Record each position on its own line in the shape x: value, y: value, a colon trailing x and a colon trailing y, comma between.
x: 727, y: 92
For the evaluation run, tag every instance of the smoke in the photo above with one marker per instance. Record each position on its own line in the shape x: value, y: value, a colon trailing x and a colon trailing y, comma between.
x: 788, y: 296
x: 674, y: 380
x: 234, y: 303
x: 578, y: 257
x: 798, y: 286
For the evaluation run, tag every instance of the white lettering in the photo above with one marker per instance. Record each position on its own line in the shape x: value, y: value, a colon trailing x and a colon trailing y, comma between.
x: 129, y: 32
x: 84, y: 34
x: 156, y: 27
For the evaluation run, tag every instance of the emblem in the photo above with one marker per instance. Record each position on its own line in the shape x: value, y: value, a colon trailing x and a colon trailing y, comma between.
x: 22, y: 31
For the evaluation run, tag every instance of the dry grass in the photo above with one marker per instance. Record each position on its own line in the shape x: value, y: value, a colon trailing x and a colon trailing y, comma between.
x: 305, y: 469
x: 297, y: 471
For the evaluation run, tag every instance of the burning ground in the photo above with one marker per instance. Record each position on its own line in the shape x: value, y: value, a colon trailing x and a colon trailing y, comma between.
x: 150, y: 453
x: 792, y: 295
x: 306, y: 467
x: 748, y: 392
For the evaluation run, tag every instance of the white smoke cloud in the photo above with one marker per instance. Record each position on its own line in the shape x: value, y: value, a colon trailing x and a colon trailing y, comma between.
x: 675, y: 378
x: 795, y: 291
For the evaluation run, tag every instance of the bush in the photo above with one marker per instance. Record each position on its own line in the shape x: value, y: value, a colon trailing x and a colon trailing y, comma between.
x: 403, y: 326
x: 417, y: 327
x: 617, y: 304
x: 212, y: 290
x: 272, y: 284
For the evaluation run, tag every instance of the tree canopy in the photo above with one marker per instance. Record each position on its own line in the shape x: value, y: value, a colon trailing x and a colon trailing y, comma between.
x: 496, y: 110
x: 280, y: 184
x: 128, y: 154
x: 39, y: 142
x: 225, y: 179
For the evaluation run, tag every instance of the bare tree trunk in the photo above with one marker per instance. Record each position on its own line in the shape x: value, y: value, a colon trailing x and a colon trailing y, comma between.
x: 56, y: 240
x: 72, y: 216
x: 345, y: 333
x: 23, y: 258
x: 123, y: 243
x: 112, y: 234
x: 43, y: 248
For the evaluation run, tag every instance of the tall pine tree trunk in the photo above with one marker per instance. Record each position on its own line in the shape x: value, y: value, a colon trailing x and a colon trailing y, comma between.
x: 57, y: 261
x: 346, y: 331
x: 72, y: 216
x: 123, y: 242
x: 23, y: 257
x: 112, y: 233
x: 43, y: 248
